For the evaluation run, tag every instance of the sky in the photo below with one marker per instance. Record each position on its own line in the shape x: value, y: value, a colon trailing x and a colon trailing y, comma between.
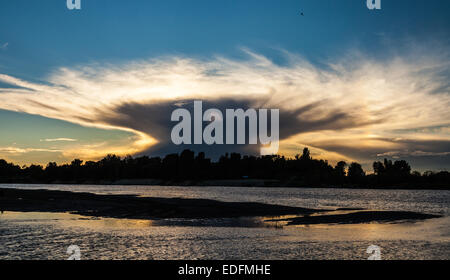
x: 351, y: 83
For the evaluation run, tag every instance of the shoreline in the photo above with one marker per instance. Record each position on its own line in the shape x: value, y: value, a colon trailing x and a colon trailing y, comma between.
x: 243, y: 183
x: 135, y: 207
x: 358, y: 217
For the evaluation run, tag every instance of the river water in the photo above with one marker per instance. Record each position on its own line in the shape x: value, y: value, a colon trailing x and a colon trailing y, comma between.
x: 48, y: 235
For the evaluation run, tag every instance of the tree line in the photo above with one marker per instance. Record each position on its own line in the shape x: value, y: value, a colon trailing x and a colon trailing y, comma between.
x: 302, y: 170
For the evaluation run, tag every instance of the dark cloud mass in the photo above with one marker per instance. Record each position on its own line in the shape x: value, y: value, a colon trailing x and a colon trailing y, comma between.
x: 154, y: 119
x: 422, y: 154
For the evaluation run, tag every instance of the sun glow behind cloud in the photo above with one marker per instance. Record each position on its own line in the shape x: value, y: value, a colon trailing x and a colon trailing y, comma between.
x: 361, y: 107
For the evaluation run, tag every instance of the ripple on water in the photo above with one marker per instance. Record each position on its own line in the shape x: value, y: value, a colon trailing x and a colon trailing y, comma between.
x: 47, y: 236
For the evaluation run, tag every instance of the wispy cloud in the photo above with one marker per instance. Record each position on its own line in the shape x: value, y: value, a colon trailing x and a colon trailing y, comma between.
x: 4, y: 46
x: 59, y: 140
x: 356, y: 104
x: 16, y: 150
x: 398, y: 154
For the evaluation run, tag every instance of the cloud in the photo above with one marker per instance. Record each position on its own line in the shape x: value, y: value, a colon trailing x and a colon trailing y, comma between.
x: 4, y: 46
x: 59, y: 140
x: 354, y: 107
x: 16, y: 150
x: 398, y: 154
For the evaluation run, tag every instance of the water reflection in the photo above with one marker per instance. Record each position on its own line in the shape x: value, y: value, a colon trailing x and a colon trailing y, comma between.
x: 47, y: 235
x: 74, y: 220
x: 424, y: 201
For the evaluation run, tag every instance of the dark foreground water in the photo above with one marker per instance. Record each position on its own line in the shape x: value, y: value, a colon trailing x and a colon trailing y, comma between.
x: 48, y: 235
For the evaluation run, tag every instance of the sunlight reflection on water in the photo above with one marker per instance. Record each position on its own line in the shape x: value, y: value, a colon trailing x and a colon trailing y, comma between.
x: 47, y: 235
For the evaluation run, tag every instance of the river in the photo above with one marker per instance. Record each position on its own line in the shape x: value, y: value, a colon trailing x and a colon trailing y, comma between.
x: 48, y: 235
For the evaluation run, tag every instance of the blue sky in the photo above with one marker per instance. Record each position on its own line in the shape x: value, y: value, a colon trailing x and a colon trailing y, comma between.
x: 38, y: 38
x: 43, y: 35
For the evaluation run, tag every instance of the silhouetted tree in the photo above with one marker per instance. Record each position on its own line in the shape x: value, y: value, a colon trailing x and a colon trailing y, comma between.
x: 388, y: 172
x: 306, y: 155
x: 339, y: 171
x: 356, y: 173
x: 303, y: 170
